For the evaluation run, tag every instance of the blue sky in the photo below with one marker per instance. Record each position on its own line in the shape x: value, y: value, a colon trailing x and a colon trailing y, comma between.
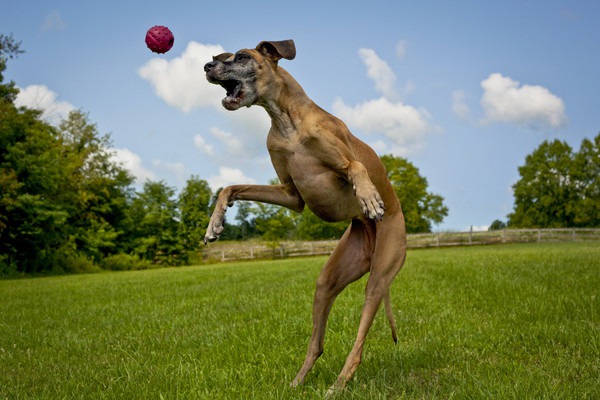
x: 463, y: 89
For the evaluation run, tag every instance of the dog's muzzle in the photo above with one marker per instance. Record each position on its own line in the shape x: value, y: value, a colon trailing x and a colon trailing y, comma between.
x: 233, y: 87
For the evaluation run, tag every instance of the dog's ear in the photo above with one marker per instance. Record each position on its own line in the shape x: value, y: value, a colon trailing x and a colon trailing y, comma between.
x: 276, y: 50
x: 222, y: 57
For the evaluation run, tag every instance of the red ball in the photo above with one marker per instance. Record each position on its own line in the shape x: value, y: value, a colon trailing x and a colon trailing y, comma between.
x: 159, y: 39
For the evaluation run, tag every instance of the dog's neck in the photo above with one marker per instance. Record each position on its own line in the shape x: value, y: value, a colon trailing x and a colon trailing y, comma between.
x: 288, y: 106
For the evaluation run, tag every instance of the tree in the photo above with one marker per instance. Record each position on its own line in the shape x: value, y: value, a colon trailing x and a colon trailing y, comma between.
x: 61, y: 195
x: 246, y: 224
x: 421, y: 208
x: 33, y: 179
x: 9, y: 48
x: 497, y: 225
x: 545, y: 195
x: 100, y: 188
x: 586, y: 181
x: 194, y: 202
x: 155, y: 215
x: 311, y: 227
x: 273, y: 223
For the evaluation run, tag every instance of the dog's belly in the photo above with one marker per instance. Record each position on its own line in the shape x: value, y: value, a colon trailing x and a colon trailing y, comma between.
x: 328, y: 196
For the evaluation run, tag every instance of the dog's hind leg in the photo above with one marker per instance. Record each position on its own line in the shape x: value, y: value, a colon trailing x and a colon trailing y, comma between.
x: 349, y: 261
x: 388, y: 257
x: 390, y: 316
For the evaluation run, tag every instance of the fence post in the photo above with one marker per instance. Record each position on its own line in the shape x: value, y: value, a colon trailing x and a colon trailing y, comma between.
x: 222, y: 255
x: 471, y: 235
x: 539, y: 235
x: 573, y: 235
x: 251, y: 252
x: 503, y: 235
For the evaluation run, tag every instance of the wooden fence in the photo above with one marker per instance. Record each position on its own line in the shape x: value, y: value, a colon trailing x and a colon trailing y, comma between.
x: 252, y: 250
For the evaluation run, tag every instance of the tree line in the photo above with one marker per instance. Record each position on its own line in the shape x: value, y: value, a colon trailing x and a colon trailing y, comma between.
x: 66, y: 203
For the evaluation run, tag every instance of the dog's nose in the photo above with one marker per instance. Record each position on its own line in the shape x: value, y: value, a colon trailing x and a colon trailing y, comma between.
x: 209, y: 66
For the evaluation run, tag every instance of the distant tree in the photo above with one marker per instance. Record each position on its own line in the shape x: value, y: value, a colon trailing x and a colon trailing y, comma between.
x: 9, y: 48
x: 194, y: 202
x: 99, y: 188
x: 155, y: 215
x: 246, y: 224
x: 61, y: 196
x: 273, y: 223
x: 33, y: 181
x: 311, y: 227
x: 545, y: 196
x: 421, y: 208
x: 586, y: 180
x: 497, y: 225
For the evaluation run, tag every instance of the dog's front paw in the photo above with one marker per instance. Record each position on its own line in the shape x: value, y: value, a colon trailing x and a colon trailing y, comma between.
x: 215, y: 227
x: 371, y: 203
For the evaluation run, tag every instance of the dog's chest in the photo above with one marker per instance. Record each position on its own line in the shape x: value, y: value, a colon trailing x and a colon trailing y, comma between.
x: 294, y: 158
x: 323, y: 190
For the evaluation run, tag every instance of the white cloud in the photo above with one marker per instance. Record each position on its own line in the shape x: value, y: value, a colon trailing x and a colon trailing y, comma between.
x: 459, y: 106
x: 201, y: 144
x: 409, y: 88
x: 250, y: 126
x: 379, y: 72
x: 39, y: 97
x: 506, y: 100
x: 405, y: 125
x: 177, y: 169
x: 233, y: 144
x: 133, y: 163
x: 228, y: 176
x: 181, y: 81
x: 401, y: 48
x: 54, y: 22
x: 380, y: 147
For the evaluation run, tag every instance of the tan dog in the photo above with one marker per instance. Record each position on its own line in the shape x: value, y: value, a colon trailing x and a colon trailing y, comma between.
x: 322, y: 165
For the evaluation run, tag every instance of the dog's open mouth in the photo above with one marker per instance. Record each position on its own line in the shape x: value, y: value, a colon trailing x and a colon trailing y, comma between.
x: 232, y: 87
x: 234, y: 91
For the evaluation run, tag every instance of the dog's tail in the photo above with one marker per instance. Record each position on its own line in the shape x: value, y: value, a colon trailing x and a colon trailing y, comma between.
x: 390, y: 315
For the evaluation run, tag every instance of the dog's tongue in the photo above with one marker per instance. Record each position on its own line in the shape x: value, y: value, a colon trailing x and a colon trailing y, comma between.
x: 233, y: 97
x: 236, y: 91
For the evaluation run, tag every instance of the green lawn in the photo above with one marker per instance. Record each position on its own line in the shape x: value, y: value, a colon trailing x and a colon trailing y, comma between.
x: 501, y: 322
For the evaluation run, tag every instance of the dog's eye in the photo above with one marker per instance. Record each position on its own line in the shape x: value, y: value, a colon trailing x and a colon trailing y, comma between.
x: 242, y: 57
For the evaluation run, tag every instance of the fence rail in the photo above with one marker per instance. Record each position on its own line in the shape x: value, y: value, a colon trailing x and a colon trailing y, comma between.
x: 252, y: 250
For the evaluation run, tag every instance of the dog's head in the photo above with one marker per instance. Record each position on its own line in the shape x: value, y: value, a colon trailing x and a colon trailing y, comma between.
x: 250, y: 74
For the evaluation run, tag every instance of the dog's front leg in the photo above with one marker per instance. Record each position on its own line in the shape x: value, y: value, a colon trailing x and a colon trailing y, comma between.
x: 281, y: 195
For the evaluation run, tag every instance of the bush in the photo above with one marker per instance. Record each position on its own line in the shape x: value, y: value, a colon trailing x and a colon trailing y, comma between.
x: 8, y: 268
x: 125, y: 262
x: 77, y: 264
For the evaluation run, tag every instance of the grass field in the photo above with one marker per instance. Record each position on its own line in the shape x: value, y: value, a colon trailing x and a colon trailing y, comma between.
x: 495, y: 322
